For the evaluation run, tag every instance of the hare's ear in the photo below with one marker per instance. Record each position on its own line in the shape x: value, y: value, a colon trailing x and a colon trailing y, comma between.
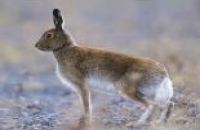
x: 57, y: 19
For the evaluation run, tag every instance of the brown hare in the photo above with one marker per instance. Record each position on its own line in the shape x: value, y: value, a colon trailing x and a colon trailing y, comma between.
x: 140, y: 79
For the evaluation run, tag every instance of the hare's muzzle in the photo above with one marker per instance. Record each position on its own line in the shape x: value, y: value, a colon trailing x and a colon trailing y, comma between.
x: 42, y: 47
x: 36, y: 45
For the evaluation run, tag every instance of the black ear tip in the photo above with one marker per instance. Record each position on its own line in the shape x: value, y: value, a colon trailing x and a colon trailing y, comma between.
x: 56, y: 12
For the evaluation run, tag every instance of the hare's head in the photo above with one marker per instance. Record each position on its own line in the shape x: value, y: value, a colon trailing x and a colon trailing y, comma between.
x: 56, y: 38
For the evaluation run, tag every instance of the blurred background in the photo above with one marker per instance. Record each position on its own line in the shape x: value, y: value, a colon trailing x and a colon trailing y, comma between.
x: 165, y: 30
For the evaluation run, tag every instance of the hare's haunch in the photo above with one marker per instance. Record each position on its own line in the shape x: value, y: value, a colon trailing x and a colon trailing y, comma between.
x: 140, y: 79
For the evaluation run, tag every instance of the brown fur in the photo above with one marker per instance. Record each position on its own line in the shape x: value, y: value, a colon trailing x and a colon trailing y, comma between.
x: 84, y: 61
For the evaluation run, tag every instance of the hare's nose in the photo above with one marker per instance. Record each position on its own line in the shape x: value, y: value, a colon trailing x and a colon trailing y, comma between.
x: 36, y: 45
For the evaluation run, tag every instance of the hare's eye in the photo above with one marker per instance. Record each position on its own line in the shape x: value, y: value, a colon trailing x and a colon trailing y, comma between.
x: 49, y: 35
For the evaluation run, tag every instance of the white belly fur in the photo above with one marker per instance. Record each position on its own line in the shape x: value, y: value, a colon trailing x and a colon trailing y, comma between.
x: 93, y: 80
x: 102, y: 82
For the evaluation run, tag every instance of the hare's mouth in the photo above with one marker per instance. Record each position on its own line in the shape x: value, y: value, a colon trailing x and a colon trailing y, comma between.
x: 42, y: 48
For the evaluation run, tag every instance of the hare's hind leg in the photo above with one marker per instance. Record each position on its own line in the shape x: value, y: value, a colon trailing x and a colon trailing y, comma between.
x: 166, y: 111
x: 148, y: 114
x: 132, y: 94
x: 140, y: 90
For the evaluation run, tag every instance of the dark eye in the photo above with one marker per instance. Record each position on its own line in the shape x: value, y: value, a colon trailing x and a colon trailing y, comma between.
x: 48, y: 35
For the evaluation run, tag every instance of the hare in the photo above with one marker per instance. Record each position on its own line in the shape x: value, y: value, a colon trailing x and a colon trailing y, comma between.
x: 136, y: 78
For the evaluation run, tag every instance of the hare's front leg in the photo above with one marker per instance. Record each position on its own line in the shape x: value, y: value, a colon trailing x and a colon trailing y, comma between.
x: 84, y: 94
